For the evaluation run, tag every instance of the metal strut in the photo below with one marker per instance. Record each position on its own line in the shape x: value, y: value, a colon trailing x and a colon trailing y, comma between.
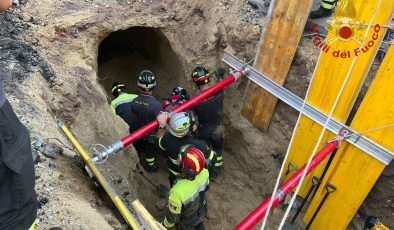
x: 365, y: 144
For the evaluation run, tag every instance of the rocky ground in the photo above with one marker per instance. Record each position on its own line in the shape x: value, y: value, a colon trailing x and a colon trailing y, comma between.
x: 51, y: 49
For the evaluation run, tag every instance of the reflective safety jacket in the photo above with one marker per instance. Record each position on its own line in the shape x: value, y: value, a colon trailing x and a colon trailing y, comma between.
x: 186, y: 203
x: 122, y: 106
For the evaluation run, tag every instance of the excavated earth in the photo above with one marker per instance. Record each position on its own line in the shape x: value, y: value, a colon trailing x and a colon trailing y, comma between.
x: 62, y: 57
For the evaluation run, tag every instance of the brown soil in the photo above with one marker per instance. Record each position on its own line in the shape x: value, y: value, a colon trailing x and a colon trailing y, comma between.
x: 83, y: 46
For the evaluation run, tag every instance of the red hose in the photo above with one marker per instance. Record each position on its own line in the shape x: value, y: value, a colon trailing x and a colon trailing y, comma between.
x: 254, y: 217
x: 127, y: 140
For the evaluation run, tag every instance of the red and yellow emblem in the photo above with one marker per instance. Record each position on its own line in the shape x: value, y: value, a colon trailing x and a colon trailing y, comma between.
x: 344, y: 24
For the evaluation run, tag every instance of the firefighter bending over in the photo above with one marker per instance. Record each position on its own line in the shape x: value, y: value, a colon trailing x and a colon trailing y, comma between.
x: 181, y: 128
x: 186, y: 203
x: 178, y: 97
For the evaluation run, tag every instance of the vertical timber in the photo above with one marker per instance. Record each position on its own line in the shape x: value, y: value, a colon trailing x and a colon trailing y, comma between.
x: 332, y: 70
x: 278, y: 45
x: 354, y: 172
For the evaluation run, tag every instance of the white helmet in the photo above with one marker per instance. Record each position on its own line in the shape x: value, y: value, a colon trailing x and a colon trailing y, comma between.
x: 180, y: 124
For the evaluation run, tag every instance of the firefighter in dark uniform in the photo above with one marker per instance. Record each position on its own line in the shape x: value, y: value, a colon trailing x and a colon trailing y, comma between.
x: 210, y: 116
x: 186, y: 202
x: 18, y: 200
x: 326, y: 8
x: 145, y: 108
x: 121, y: 105
x: 181, y: 128
x: 178, y: 97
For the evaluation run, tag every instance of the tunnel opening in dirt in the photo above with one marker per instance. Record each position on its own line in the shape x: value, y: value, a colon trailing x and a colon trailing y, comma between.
x: 125, y: 53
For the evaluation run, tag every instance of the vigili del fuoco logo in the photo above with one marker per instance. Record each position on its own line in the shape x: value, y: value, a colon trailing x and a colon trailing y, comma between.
x: 346, y: 28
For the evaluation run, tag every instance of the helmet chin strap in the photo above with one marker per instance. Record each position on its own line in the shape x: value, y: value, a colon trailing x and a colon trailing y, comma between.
x: 189, y: 175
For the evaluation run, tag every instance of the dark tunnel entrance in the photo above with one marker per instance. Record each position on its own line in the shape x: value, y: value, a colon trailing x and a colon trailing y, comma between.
x: 125, y: 53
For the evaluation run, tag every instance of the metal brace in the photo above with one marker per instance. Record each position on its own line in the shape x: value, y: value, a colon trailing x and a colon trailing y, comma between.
x: 362, y: 142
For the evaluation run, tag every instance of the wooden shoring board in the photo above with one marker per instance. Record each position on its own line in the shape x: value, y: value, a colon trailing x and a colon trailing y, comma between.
x: 354, y: 172
x: 329, y: 77
x: 278, y: 45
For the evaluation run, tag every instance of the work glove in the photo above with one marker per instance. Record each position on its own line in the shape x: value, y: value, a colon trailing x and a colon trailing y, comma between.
x: 162, y: 118
x: 220, y: 72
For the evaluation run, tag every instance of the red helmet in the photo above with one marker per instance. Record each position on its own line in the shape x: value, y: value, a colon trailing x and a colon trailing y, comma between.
x: 192, y: 161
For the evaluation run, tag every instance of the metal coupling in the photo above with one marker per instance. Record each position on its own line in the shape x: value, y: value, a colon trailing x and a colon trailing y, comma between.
x: 111, y: 150
x: 242, y: 73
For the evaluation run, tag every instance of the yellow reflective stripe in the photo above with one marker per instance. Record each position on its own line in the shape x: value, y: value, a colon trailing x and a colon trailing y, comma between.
x: 32, y: 226
x: 211, y: 155
x: 123, y: 98
x: 328, y: 6
x: 194, y: 159
x: 182, y: 127
x: 173, y: 172
x: 218, y: 163
x: 120, y: 85
x: 145, y: 85
x: 167, y: 224
x: 160, y: 143
x: 150, y: 159
x: 113, y: 109
x: 175, y: 162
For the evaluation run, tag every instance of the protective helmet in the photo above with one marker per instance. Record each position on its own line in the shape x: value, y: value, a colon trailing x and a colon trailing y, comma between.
x: 192, y: 161
x: 200, y: 75
x: 179, y: 91
x: 146, y: 80
x: 181, y: 123
x: 117, y: 88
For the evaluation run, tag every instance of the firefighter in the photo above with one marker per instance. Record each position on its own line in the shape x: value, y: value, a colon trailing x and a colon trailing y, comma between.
x: 121, y: 105
x: 181, y: 129
x: 186, y: 203
x: 326, y: 8
x: 373, y: 223
x: 178, y: 97
x: 145, y: 108
x: 18, y: 199
x: 210, y: 116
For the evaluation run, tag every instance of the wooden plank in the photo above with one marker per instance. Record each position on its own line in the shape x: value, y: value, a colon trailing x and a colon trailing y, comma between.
x: 354, y: 172
x: 330, y: 75
x: 278, y: 45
